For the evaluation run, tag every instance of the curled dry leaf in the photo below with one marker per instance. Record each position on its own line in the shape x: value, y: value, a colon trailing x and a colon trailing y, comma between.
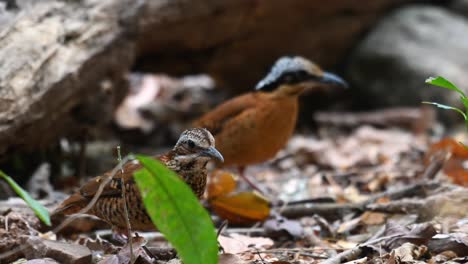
x: 456, y: 242
x: 242, y: 208
x: 409, y: 252
x: 454, y: 168
x: 420, y: 234
x: 451, y: 145
x: 124, y: 254
x: 221, y: 183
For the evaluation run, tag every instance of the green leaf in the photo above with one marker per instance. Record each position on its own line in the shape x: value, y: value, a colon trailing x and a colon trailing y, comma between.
x: 448, y: 108
x: 38, y: 209
x: 442, y: 82
x: 177, y: 213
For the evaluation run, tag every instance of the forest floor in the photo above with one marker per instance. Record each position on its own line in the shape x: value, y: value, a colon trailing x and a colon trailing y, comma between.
x: 354, y: 192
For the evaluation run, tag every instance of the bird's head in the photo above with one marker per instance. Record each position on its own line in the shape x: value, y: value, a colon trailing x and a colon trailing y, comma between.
x: 293, y: 75
x: 196, y: 145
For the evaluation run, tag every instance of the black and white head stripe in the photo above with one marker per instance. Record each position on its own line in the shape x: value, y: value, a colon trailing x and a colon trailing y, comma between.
x: 200, y: 136
x: 294, y: 68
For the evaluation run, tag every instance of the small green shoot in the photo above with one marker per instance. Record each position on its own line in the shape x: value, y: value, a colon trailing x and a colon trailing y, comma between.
x: 442, y: 82
x: 38, y: 209
x: 177, y: 213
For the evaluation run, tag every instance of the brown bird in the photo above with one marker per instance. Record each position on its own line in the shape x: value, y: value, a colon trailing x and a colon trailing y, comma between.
x: 253, y: 127
x: 188, y: 159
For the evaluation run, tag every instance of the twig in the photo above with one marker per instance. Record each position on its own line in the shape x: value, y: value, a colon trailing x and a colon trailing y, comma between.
x: 222, y: 227
x: 354, y: 253
x: 301, y: 251
x: 344, y: 256
x: 452, y: 201
x: 330, y: 210
x: 334, y: 210
x: 124, y: 197
x: 419, y: 189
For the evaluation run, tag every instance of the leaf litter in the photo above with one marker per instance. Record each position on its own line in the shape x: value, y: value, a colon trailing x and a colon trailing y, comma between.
x: 360, y: 194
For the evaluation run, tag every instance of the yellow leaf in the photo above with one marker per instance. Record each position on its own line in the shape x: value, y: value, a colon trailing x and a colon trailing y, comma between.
x: 242, y: 208
x: 222, y: 183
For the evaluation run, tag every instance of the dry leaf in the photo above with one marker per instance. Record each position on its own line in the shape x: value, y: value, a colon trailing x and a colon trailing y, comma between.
x: 279, y: 225
x: 372, y: 218
x: 420, y: 234
x: 348, y: 226
x: 456, y: 242
x: 240, y: 243
x: 454, y: 167
x: 221, y: 183
x: 124, y: 254
x: 228, y: 258
x: 346, y: 244
x: 409, y: 252
x: 451, y: 145
x: 242, y: 208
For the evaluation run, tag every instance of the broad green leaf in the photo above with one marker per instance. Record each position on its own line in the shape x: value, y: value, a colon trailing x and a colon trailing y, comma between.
x: 448, y: 108
x: 177, y: 213
x: 442, y: 82
x: 38, y: 209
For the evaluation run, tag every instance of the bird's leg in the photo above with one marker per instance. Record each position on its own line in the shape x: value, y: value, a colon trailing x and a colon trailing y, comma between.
x: 120, y: 235
x: 248, y: 181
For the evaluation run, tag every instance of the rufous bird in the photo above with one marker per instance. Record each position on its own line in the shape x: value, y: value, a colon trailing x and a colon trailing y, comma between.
x: 189, y: 157
x: 253, y: 127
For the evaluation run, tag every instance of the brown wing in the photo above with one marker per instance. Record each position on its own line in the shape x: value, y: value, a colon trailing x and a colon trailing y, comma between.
x: 113, y: 188
x: 216, y: 118
x: 80, y: 199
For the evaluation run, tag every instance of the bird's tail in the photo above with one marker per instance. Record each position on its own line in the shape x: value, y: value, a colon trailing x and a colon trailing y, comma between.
x: 72, y: 205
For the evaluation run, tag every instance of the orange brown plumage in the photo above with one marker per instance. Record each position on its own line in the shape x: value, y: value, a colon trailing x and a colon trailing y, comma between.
x: 253, y: 127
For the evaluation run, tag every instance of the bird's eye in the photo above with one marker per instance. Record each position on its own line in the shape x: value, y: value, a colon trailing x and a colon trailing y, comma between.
x: 288, y: 78
x: 301, y: 74
x: 191, y: 144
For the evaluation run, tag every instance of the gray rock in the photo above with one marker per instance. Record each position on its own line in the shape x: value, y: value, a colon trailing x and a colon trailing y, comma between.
x: 413, y: 43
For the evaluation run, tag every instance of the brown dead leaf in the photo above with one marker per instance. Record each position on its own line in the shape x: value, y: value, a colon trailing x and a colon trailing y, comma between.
x: 454, y: 167
x: 456, y: 242
x: 228, y: 258
x: 242, y: 208
x: 221, y: 183
x: 346, y: 244
x: 123, y: 256
x: 451, y: 145
x: 373, y: 218
x: 240, y: 243
x: 420, y: 234
x: 409, y: 252
x: 443, y: 257
x: 455, y: 170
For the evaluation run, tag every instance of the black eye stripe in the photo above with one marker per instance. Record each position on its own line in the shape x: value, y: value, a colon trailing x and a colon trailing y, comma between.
x: 190, y: 143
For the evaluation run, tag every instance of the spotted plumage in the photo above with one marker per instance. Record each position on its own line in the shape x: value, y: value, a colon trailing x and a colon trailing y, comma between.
x: 188, y: 159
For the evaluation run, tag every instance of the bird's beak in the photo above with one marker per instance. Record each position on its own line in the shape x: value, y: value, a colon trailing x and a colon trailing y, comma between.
x: 213, y: 153
x: 332, y: 79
